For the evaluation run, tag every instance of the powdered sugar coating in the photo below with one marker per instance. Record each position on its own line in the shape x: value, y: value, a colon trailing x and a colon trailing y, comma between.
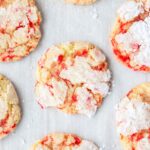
x: 129, y: 10
x: 19, y: 29
x: 143, y: 144
x: 81, y: 72
x: 84, y: 105
x: 82, y: 77
x: 132, y: 116
x: 56, y: 96
x: 138, y: 34
x: 131, y: 36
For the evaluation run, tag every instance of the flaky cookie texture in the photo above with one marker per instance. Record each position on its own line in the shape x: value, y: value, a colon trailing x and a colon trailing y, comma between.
x: 81, y: 2
x: 61, y: 141
x: 130, y: 35
x: 73, y: 77
x: 20, y: 30
x: 9, y: 107
x: 133, y: 118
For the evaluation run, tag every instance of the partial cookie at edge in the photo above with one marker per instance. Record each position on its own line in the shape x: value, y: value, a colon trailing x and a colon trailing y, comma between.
x: 10, y: 113
x: 63, y: 141
x: 22, y: 34
x: 130, y: 35
x: 133, y: 118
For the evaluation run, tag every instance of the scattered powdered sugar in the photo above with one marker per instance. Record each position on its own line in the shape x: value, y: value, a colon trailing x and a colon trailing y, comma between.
x: 113, y: 83
x: 94, y: 13
x: 95, y: 16
x: 23, y: 101
x: 103, y: 146
x: 23, y: 141
x: 111, y: 147
x: 114, y: 146
x: 137, y: 42
x: 129, y: 10
x: 28, y: 126
x: 132, y: 116
x: 31, y: 67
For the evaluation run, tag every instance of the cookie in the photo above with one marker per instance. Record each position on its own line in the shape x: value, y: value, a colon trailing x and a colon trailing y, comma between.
x: 20, y: 30
x: 9, y: 107
x: 60, y: 141
x: 73, y: 77
x: 81, y: 2
x: 130, y: 36
x: 133, y: 118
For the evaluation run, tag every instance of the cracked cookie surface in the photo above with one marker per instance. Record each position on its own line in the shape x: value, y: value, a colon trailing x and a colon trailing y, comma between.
x: 19, y: 29
x: 133, y: 118
x: 131, y: 37
x: 73, y: 77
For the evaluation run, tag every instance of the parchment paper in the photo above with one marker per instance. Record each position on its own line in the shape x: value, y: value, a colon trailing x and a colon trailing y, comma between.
x: 64, y: 22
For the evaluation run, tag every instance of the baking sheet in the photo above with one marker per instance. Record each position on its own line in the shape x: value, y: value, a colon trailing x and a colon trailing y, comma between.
x: 61, y: 23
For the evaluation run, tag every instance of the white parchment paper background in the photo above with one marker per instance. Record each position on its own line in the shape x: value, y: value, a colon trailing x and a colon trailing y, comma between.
x: 61, y: 23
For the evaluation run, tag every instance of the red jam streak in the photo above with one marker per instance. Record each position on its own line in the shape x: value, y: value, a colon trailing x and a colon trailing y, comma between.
x: 60, y: 58
x: 82, y: 53
x: 126, y: 59
x: 74, y: 98
x: 8, y: 57
x: 44, y: 140
x: 139, y: 136
x: 9, y: 130
x: 77, y: 141
x: 4, y: 121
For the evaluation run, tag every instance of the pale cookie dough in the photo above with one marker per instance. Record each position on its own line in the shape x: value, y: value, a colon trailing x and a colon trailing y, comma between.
x: 131, y: 37
x: 19, y: 29
x: 133, y: 118
x: 81, y: 2
x: 61, y: 141
x: 9, y: 107
x: 73, y: 77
